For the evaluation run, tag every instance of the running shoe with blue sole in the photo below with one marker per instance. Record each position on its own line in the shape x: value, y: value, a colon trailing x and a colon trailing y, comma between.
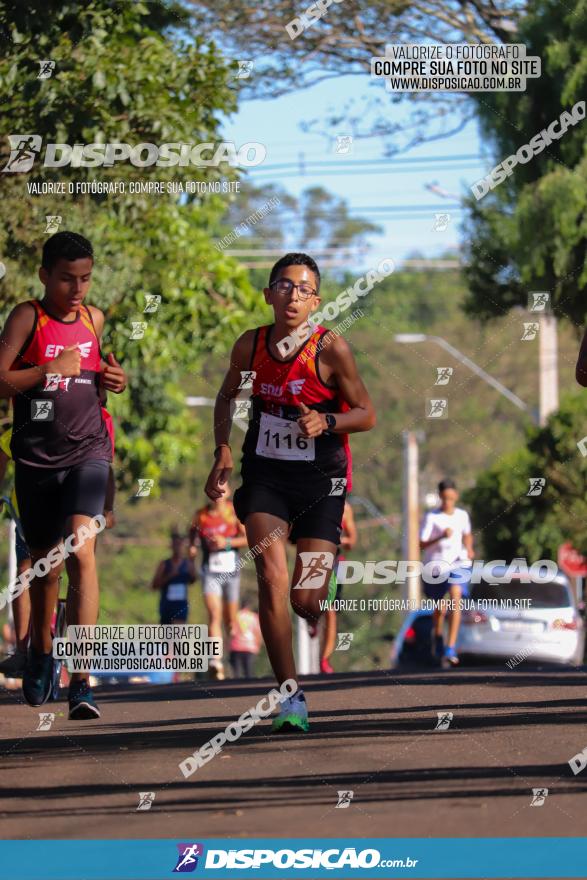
x: 450, y: 657
x: 37, y: 678
x: 82, y: 706
x: 293, y: 715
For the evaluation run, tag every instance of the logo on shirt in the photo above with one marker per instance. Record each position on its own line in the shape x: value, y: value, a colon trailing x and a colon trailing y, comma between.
x: 294, y: 386
x: 56, y: 382
x: 53, y: 350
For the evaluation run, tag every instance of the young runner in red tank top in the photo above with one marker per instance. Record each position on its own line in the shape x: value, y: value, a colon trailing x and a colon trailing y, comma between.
x: 51, y: 366
x: 296, y: 458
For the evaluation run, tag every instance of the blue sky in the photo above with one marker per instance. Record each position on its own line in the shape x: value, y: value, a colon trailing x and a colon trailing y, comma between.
x: 277, y: 124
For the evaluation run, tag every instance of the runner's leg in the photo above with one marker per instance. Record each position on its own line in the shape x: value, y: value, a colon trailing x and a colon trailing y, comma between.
x: 230, y: 600
x: 21, y: 610
x: 43, y: 598
x: 83, y: 590
x: 247, y: 664
x: 273, y: 580
x: 213, y: 605
x: 329, y: 642
x: 306, y: 602
x: 454, y: 623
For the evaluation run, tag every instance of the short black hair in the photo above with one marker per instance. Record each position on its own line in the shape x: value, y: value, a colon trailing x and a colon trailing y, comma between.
x: 446, y: 484
x: 295, y: 260
x: 65, y: 246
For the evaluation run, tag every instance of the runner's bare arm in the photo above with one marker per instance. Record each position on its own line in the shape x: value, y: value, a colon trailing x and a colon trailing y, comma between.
x: 193, y: 535
x: 158, y: 581
x: 581, y: 368
x: 14, y: 335
x: 238, y: 541
x: 350, y: 539
x: 113, y: 378
x: 98, y: 320
x: 468, y: 543
x: 240, y: 360
x: 338, y: 358
x: 191, y: 570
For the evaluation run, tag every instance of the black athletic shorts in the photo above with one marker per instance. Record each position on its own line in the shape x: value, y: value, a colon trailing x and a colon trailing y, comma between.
x: 310, y: 516
x: 48, y: 496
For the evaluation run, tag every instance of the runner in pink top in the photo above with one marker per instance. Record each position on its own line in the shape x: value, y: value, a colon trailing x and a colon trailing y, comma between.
x: 245, y: 641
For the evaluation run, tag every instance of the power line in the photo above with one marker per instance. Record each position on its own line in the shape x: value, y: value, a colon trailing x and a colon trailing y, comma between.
x: 467, y: 157
x: 414, y: 265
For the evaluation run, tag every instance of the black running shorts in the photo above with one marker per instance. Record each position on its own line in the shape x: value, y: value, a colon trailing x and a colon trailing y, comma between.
x: 47, y: 497
x: 310, y: 515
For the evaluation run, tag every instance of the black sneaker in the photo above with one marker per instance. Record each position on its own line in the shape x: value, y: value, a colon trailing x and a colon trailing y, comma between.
x: 14, y: 665
x: 82, y: 706
x: 37, y: 678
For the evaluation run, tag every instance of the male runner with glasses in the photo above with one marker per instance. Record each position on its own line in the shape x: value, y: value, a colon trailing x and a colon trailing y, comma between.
x: 295, y: 454
x: 51, y: 366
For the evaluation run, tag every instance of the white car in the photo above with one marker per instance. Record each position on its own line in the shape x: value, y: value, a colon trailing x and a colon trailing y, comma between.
x: 549, y: 630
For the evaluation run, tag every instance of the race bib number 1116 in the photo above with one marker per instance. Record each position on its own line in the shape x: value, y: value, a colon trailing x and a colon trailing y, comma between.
x: 282, y: 439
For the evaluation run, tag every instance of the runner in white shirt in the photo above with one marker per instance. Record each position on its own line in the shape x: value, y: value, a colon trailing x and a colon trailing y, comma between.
x: 445, y: 537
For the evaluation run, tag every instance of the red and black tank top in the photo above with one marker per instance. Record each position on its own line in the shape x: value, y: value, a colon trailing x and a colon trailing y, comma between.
x: 59, y: 423
x: 273, y: 444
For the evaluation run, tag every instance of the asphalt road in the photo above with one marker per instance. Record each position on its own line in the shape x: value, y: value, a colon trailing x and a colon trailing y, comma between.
x: 371, y: 733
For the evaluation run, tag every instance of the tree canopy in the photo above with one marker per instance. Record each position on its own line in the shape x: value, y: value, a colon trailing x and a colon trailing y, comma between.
x: 123, y: 73
x: 530, y: 233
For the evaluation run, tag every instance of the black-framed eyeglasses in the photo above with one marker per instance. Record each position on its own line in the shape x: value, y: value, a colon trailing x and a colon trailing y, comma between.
x: 284, y: 287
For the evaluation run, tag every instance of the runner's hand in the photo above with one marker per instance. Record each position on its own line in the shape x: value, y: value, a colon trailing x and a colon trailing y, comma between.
x: 113, y: 377
x: 216, y: 483
x: 311, y: 423
x: 68, y: 363
x: 447, y: 533
x: 216, y: 542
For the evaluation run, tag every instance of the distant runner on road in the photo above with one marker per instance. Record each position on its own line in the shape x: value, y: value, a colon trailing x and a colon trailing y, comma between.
x: 445, y: 537
x: 172, y: 579
x: 296, y: 464
x: 215, y: 527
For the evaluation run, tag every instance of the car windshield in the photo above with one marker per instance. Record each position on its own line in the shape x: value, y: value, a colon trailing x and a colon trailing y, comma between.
x: 547, y: 595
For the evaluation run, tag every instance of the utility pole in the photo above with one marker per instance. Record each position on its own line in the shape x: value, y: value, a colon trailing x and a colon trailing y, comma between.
x: 547, y: 366
x: 308, y: 649
x: 411, y: 519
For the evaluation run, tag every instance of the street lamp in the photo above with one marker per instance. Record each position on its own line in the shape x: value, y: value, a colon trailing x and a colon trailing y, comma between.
x: 408, y: 338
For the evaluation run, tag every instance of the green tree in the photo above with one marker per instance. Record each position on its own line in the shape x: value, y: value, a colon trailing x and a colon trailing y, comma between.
x: 343, y: 42
x: 513, y: 523
x: 531, y: 231
x: 123, y: 73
